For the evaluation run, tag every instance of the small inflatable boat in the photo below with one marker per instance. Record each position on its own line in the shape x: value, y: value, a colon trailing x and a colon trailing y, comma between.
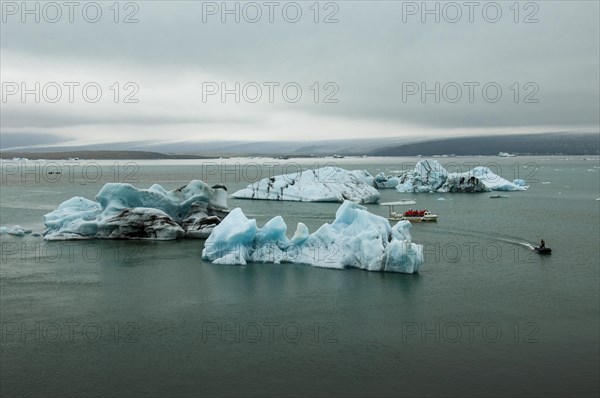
x: 542, y: 250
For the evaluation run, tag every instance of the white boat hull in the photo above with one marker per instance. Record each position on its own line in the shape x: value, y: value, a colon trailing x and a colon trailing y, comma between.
x: 432, y: 218
x: 421, y: 219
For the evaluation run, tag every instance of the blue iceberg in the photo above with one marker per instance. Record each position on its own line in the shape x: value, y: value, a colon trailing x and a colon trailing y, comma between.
x: 126, y: 212
x: 431, y: 176
x: 15, y: 230
x: 381, y: 181
x: 356, y: 239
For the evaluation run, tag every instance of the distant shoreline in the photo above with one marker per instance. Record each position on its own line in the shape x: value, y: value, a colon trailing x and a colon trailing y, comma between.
x: 551, y: 144
x: 132, y: 155
x: 97, y: 155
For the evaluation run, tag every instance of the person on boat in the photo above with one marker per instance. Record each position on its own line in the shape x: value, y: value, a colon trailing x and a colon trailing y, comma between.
x: 542, y: 244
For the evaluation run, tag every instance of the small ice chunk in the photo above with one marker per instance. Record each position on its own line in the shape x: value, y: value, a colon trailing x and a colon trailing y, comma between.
x: 15, y: 230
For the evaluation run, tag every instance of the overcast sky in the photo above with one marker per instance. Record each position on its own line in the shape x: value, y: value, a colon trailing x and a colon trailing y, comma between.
x: 371, y: 66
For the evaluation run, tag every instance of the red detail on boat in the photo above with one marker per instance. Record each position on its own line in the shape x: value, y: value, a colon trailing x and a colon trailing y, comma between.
x: 414, y: 213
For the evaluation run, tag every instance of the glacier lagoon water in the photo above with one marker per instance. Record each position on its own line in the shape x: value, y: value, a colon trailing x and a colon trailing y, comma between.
x: 484, y: 316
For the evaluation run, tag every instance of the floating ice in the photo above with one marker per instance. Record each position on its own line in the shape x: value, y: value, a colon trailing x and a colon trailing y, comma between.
x: 464, y: 182
x: 381, y: 181
x: 431, y: 176
x: 126, y: 212
x: 15, y: 230
x: 427, y: 176
x: 490, y: 180
x: 360, y: 174
x: 327, y: 184
x: 356, y: 239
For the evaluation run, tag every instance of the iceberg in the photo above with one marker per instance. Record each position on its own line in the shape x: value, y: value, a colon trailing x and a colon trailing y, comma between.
x: 492, y: 181
x: 381, y: 181
x: 356, y: 239
x: 427, y: 176
x: 362, y: 175
x: 431, y: 176
x: 506, y: 155
x: 327, y: 184
x: 15, y: 230
x: 126, y: 212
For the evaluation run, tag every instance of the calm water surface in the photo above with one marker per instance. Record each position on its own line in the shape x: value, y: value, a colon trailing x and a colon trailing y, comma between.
x: 485, y: 317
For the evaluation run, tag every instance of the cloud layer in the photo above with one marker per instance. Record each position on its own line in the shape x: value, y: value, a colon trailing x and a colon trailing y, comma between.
x: 362, y: 76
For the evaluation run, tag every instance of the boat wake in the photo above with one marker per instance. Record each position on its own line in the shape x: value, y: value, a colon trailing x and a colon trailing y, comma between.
x: 512, y: 240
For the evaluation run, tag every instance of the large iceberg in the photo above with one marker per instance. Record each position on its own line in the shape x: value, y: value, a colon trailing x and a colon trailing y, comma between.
x: 327, y: 184
x: 126, y: 212
x: 356, y: 239
x: 431, y: 176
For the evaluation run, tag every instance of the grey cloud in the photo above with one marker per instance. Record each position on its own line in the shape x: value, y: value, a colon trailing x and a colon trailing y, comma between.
x: 369, y: 54
x: 23, y: 118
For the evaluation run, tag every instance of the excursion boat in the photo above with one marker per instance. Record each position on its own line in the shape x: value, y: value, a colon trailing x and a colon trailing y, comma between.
x: 419, y: 216
x: 410, y: 215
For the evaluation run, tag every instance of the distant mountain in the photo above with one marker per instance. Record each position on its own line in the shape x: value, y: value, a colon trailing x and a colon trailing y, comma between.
x: 216, y: 148
x: 533, y: 144
x: 529, y: 144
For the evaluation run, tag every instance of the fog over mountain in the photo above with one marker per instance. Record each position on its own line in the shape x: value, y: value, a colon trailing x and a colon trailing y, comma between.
x: 525, y: 144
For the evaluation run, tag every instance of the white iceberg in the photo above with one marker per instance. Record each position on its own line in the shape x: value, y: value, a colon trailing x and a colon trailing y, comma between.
x: 327, y: 184
x: 464, y: 182
x: 431, y: 176
x: 360, y: 174
x: 427, y: 176
x: 493, y: 181
x: 126, y: 212
x: 356, y: 239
